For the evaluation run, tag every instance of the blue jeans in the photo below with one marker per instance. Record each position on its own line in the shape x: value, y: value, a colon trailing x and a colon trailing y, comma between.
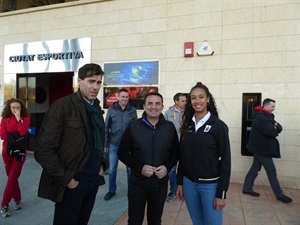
x: 199, y: 198
x: 172, y: 176
x: 268, y: 164
x: 113, y: 167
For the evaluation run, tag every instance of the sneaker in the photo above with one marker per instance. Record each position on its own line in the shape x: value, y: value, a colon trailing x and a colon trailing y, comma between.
x: 18, y: 205
x: 109, y: 195
x: 285, y: 199
x: 171, y: 196
x: 5, y: 211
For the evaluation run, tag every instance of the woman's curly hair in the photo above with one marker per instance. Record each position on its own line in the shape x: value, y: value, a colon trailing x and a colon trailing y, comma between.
x: 189, y: 111
x: 7, y: 112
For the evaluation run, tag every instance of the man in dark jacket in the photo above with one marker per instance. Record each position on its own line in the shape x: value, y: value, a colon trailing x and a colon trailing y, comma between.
x: 149, y: 146
x: 69, y: 147
x: 117, y: 118
x: 264, y: 145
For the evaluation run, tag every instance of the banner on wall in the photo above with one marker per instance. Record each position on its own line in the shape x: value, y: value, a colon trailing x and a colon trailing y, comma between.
x: 47, y: 56
x: 136, y: 95
x: 131, y: 73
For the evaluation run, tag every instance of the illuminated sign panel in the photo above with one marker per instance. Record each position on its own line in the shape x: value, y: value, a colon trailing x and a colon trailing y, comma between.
x: 48, y: 56
x: 131, y: 73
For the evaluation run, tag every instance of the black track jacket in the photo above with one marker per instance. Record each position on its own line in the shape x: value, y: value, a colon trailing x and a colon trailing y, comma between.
x: 143, y: 144
x: 205, y: 155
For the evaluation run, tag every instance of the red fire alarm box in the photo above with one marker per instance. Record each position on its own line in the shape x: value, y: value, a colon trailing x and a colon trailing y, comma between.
x: 188, y: 49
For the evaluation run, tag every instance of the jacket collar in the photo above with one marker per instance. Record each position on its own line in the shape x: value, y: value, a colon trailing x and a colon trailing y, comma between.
x: 160, y: 121
x: 117, y: 106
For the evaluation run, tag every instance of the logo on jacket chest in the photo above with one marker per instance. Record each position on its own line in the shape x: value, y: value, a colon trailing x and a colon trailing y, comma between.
x: 207, y: 128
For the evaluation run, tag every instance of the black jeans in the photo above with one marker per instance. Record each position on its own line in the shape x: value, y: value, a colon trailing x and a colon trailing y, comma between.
x: 142, y: 192
x: 77, y: 205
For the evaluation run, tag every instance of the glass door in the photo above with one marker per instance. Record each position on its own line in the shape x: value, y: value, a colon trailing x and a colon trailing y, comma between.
x: 250, y: 101
x: 26, y: 88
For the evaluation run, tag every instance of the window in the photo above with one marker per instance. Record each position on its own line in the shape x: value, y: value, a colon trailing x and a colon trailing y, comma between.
x: 12, y: 5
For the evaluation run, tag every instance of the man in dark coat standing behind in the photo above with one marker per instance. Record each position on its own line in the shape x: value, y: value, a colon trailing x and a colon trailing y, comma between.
x: 117, y: 118
x: 264, y: 145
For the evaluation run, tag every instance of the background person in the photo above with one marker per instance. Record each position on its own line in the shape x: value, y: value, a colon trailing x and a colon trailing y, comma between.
x: 69, y: 147
x: 264, y: 145
x: 174, y: 114
x: 204, y: 164
x: 117, y: 118
x: 149, y: 146
x: 14, y: 125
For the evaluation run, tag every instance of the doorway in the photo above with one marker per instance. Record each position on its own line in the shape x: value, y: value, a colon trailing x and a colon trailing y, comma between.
x: 250, y: 101
x: 39, y: 91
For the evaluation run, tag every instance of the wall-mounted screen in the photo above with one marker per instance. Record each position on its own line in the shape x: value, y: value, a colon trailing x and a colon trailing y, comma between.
x: 131, y: 73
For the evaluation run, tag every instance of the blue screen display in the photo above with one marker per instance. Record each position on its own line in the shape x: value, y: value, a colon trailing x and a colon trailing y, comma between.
x: 128, y: 73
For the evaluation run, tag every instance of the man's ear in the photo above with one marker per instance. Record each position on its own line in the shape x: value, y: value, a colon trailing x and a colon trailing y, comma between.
x: 78, y: 82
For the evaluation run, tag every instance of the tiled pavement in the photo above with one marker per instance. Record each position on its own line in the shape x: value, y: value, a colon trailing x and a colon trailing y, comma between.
x: 240, y: 210
x: 38, y: 211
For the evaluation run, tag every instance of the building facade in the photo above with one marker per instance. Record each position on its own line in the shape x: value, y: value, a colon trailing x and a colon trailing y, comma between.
x: 244, y: 51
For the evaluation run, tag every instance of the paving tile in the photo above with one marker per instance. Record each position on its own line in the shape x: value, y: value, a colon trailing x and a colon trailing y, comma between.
x: 244, y: 209
x: 240, y: 209
x: 233, y: 215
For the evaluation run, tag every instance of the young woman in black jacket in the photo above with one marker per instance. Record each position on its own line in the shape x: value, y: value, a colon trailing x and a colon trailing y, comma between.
x: 204, y: 164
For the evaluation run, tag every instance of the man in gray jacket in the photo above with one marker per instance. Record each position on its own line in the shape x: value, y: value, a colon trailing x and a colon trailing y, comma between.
x: 117, y: 118
x: 69, y: 147
x: 174, y: 114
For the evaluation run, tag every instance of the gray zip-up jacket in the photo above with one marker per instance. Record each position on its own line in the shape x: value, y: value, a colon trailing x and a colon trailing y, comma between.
x: 116, y: 122
x: 175, y: 116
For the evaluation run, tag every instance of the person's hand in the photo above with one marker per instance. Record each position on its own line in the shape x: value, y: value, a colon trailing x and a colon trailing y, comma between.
x: 179, y: 193
x: 73, y: 183
x: 105, y: 149
x: 161, y: 171
x: 148, y: 171
x: 219, y: 204
x: 17, y: 113
x: 101, y: 172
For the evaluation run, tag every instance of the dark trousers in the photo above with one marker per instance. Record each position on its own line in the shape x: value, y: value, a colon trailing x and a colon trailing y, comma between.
x: 268, y: 164
x: 77, y: 205
x: 141, y: 193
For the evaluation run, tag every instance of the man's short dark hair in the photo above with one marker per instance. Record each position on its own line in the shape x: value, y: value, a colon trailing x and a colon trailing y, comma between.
x: 177, y: 96
x: 267, y: 101
x: 123, y: 90
x: 155, y: 94
x: 89, y: 70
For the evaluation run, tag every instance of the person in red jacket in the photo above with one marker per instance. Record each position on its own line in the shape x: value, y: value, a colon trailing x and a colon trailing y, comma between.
x: 14, y: 127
